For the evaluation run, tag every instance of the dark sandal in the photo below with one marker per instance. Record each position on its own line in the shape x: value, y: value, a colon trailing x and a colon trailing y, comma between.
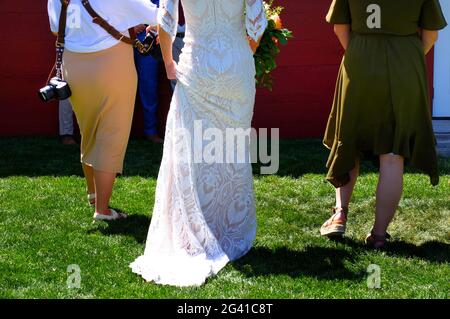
x: 91, y: 199
x: 377, y: 241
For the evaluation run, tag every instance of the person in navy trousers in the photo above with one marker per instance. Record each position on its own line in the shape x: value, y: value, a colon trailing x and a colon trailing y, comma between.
x: 147, y: 69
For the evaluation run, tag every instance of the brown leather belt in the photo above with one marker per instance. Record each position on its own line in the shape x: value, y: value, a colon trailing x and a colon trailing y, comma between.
x: 97, y: 19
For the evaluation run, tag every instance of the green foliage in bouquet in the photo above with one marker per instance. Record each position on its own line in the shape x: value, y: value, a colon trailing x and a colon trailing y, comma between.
x: 268, y: 50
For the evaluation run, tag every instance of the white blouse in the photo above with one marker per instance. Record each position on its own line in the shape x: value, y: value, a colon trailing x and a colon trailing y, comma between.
x: 84, y: 36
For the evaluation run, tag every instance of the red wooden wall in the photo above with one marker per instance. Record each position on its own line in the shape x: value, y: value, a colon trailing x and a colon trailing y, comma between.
x: 304, y: 81
x: 298, y: 105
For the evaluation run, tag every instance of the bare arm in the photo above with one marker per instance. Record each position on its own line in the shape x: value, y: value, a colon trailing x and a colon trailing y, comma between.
x: 166, y: 47
x: 254, y: 44
x: 429, y: 38
x: 343, y: 33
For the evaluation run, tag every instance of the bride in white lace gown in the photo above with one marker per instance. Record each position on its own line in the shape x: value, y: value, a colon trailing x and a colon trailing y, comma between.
x: 204, y: 212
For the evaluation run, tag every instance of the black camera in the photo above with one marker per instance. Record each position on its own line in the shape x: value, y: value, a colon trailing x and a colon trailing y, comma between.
x: 56, y: 89
x: 151, y: 47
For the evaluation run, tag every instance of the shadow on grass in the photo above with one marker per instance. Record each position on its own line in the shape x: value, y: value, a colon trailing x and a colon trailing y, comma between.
x: 36, y: 157
x: 135, y: 226
x: 318, y: 262
x: 326, y: 263
x: 48, y: 157
x: 431, y: 251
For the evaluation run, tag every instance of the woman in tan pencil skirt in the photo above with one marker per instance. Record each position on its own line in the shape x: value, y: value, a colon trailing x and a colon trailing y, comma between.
x: 101, y: 73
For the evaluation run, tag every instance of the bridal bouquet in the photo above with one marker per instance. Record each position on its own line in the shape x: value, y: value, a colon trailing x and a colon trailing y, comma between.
x: 269, y: 47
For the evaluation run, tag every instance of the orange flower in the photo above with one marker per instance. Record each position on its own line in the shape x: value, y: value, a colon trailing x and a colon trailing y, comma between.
x: 278, y: 23
x: 275, y: 40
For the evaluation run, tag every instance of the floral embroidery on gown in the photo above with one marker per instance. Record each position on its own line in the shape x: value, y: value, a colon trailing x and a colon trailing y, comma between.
x: 204, y: 212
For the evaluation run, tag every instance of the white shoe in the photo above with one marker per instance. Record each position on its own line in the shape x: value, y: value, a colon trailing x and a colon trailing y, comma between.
x: 113, y: 216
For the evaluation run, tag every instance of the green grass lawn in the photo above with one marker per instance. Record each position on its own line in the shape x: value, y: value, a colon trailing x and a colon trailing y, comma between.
x: 46, y: 225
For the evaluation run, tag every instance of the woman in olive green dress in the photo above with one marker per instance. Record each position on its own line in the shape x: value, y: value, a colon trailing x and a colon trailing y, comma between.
x: 381, y: 107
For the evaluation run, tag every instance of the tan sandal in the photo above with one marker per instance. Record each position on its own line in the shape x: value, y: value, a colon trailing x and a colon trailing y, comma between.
x: 333, y: 226
x: 377, y: 241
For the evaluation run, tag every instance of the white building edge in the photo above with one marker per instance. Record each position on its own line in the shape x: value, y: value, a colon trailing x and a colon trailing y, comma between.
x: 441, y: 98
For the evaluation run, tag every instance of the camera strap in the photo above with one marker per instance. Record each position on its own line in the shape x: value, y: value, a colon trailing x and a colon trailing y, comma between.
x: 60, y: 41
x: 97, y: 19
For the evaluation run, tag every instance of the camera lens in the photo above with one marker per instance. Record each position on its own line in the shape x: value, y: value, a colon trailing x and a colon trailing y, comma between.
x: 47, y: 93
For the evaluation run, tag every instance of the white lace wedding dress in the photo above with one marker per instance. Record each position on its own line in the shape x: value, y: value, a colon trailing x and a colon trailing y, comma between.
x: 204, y: 213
